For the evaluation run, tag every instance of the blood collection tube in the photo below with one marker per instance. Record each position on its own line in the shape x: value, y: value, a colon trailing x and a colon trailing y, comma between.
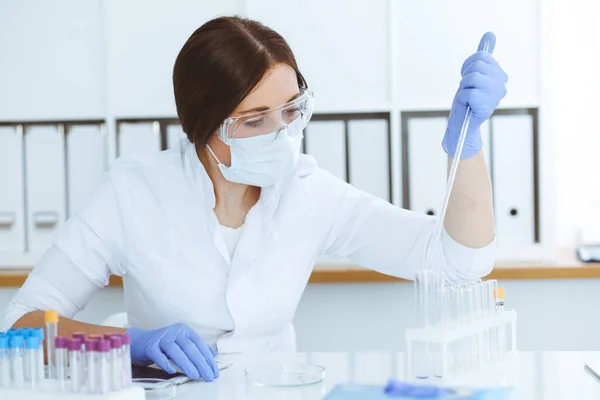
x: 39, y: 374
x: 75, y: 365
x: 502, y: 345
x: 90, y: 356
x: 51, y: 318
x: 32, y: 348
x: 61, y: 345
x: 103, y: 347
x: 126, y: 360
x: 116, y: 362
x: 16, y: 360
x: 4, y: 362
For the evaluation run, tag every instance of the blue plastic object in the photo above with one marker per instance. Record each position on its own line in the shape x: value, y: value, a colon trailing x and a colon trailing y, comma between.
x: 39, y: 333
x: 16, y: 342
x: 4, y: 342
x: 32, y: 342
x: 13, y: 332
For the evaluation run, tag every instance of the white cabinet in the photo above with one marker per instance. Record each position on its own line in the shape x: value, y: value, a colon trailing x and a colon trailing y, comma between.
x: 326, y: 142
x: 427, y: 164
x: 86, y: 154
x: 368, y: 151
x: 143, y: 40
x: 174, y: 135
x: 138, y: 138
x: 52, y: 65
x: 45, y: 189
x: 436, y: 36
x: 342, y: 48
x: 12, y: 216
x: 513, y: 174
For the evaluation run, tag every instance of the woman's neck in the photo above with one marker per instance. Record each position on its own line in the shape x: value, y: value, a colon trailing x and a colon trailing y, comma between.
x: 232, y: 200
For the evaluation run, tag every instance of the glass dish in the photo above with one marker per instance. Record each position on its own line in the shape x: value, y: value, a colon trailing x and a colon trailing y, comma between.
x: 284, y: 374
x: 156, y: 389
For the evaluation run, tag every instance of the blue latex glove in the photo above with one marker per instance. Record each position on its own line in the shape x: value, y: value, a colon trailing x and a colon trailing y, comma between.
x: 177, y: 343
x: 482, y: 87
x: 401, y: 389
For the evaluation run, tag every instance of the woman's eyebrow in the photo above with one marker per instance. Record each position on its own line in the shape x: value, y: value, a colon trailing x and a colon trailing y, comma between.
x: 265, y: 108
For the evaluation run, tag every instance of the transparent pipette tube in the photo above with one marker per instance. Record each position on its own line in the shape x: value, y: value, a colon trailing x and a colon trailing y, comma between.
x: 16, y: 361
x: 428, y: 291
x: 104, y: 376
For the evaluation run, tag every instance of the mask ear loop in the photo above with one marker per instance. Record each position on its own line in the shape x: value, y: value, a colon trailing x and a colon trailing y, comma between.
x: 213, y: 154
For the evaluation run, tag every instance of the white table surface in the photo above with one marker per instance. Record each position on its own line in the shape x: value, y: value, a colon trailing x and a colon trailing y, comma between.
x: 536, y: 376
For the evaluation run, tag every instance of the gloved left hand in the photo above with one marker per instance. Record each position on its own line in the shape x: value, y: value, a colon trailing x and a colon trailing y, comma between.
x: 482, y: 87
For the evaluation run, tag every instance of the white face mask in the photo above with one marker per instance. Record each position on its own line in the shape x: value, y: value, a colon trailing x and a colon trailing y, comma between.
x: 257, y: 165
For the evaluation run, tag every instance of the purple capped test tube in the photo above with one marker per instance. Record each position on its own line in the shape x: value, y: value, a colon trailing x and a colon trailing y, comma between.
x: 126, y: 360
x: 91, y: 355
x: 104, y: 378
x: 61, y: 345
x: 116, y: 362
x: 75, y: 365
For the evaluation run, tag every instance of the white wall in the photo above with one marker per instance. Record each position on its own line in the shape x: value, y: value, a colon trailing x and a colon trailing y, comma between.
x: 552, y: 314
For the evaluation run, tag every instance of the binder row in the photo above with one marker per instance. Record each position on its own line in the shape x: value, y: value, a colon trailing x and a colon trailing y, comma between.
x: 48, y: 169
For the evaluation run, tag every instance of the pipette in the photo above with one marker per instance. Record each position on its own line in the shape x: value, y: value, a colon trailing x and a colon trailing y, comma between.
x: 488, y: 43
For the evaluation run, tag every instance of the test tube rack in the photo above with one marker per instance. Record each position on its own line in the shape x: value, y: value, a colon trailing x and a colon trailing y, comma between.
x: 49, y: 389
x: 441, y: 337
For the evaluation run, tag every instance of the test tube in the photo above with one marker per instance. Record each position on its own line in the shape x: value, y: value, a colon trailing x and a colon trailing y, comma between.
x: 126, y: 360
x: 51, y: 319
x: 16, y: 360
x: 90, y: 355
x: 75, y: 365
x: 61, y: 345
x: 4, y: 362
x: 39, y: 374
x: 103, y: 347
x: 499, y: 296
x: 32, y: 349
x: 116, y: 362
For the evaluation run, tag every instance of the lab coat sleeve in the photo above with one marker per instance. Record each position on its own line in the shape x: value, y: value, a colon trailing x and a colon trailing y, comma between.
x: 83, y: 256
x: 379, y: 236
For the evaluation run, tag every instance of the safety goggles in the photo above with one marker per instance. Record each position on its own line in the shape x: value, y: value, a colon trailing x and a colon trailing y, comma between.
x: 261, y: 128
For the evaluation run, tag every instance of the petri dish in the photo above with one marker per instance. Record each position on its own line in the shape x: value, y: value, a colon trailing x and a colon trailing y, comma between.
x: 156, y: 389
x: 284, y: 374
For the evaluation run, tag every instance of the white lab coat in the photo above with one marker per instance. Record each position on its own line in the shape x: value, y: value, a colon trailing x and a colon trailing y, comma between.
x: 151, y: 221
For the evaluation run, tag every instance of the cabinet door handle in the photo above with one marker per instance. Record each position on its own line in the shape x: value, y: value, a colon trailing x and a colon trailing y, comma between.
x: 7, y: 219
x: 45, y: 219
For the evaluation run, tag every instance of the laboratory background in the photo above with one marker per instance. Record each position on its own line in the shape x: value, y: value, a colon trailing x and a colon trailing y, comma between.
x: 85, y: 82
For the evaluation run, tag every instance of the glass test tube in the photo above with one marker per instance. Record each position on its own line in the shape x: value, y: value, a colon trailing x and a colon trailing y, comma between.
x: 61, y: 345
x: 116, y: 362
x: 81, y: 337
x: 103, y: 347
x: 5, y: 366
x: 126, y: 360
x: 90, y: 356
x: 16, y: 360
x: 32, y: 348
x: 499, y: 296
x: 51, y: 319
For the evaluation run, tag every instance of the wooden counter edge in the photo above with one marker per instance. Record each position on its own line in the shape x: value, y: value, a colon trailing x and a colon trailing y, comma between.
x: 351, y: 274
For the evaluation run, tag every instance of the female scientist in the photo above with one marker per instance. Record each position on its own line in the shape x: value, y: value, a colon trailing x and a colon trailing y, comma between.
x: 216, y: 239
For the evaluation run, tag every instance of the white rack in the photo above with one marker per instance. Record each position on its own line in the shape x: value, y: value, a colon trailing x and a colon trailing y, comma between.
x: 443, y: 336
x: 50, y: 390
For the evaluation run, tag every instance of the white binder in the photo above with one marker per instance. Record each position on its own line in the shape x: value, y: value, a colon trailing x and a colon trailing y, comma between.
x: 45, y: 177
x: 174, y: 135
x: 369, y: 163
x: 86, y: 156
x: 513, y: 180
x: 12, y: 215
x: 428, y: 164
x: 326, y: 142
x: 138, y: 138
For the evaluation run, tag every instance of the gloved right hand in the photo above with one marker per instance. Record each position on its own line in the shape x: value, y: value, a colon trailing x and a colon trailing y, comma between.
x: 177, y: 343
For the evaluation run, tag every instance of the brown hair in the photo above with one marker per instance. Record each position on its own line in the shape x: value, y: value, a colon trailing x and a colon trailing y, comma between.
x: 218, y: 66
